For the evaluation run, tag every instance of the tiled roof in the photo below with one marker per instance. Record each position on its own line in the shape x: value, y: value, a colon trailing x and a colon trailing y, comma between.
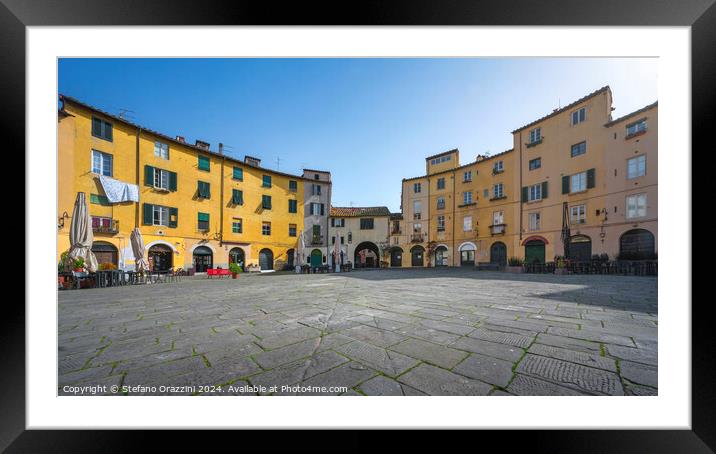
x: 169, y: 138
x: 348, y: 212
x: 632, y: 114
x: 396, y: 216
x: 442, y: 154
x: 567, y: 107
x: 487, y: 158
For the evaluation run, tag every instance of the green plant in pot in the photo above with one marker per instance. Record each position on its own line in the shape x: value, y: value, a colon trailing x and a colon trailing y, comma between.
x: 515, y: 261
x: 78, y: 264
x: 235, y: 269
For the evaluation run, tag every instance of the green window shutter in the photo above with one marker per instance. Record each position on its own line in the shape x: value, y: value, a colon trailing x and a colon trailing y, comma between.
x: 204, y: 217
x: 208, y: 190
x: 204, y: 189
x: 565, y: 184
x: 173, y: 217
x: 204, y: 163
x: 238, y: 173
x: 148, y: 214
x: 544, y: 190
x: 149, y: 175
x: 322, y: 209
x: 524, y: 194
x: 237, y: 197
x: 172, y: 181
x: 590, y: 178
x: 266, y: 202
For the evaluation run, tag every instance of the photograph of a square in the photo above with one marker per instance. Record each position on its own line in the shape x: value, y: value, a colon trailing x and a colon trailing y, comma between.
x: 357, y: 226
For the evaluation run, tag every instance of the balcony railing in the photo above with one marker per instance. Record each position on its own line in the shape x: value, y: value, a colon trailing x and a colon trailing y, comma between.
x: 497, y: 229
x: 317, y: 239
x: 417, y: 237
x: 416, y: 216
x: 112, y: 227
x: 396, y: 232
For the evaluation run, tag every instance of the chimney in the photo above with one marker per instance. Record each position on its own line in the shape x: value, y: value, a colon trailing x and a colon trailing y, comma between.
x: 180, y: 139
x: 201, y: 144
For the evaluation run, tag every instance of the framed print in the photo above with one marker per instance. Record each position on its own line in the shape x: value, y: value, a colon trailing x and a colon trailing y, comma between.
x: 280, y: 218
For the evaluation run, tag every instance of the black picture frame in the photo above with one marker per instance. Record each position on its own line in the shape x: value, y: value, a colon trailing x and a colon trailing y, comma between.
x: 700, y: 15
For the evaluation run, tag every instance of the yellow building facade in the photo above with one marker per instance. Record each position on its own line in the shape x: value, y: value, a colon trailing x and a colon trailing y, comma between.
x: 196, y: 207
x: 575, y: 172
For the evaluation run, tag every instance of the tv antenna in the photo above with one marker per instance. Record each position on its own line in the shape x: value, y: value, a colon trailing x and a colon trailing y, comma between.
x: 278, y: 162
x: 123, y: 113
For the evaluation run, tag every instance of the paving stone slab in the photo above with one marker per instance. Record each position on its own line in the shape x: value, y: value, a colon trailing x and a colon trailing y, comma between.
x: 524, y: 385
x: 485, y: 368
x: 431, y: 353
x: 499, y: 337
x: 586, y: 359
x: 384, y: 386
x: 633, y: 354
x: 348, y: 375
x: 388, y: 362
x: 439, y: 382
x: 641, y: 374
x: 287, y: 354
x: 375, y: 336
x: 587, y: 378
x: 499, y: 351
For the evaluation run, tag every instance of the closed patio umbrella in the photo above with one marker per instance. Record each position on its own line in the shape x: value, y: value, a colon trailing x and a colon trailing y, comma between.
x: 140, y: 262
x: 81, y: 236
x: 337, y: 255
x: 301, y: 247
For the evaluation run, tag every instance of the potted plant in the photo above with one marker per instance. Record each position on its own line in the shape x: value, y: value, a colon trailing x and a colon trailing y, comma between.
x: 235, y: 270
x: 514, y: 265
x: 78, y: 264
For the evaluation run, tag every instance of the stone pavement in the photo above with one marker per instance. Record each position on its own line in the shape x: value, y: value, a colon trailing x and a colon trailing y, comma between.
x: 410, y: 332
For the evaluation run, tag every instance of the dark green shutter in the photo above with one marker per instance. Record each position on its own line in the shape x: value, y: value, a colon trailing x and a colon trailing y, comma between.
x: 565, y: 184
x: 96, y: 127
x: 149, y: 175
x: 173, y: 217
x: 204, y: 217
x: 172, y: 181
x: 524, y: 194
x: 544, y: 190
x: 590, y: 178
x: 148, y: 214
x: 237, y: 197
x: 322, y: 209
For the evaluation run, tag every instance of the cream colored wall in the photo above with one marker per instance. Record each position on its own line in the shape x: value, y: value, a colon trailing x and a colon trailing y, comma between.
x: 378, y: 235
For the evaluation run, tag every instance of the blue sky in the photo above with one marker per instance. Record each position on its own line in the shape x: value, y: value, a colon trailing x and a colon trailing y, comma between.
x: 371, y: 122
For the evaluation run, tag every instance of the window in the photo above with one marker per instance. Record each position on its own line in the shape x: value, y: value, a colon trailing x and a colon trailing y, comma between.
x: 579, y: 116
x: 416, y: 209
x: 416, y: 187
x: 579, y: 149
x: 160, y: 215
x: 636, y: 167
x: 161, y: 179
x: 342, y: 240
x: 486, y: 193
x: 317, y: 209
x: 266, y: 181
x: 534, y: 221
x: 316, y: 176
x: 292, y: 230
x: 338, y: 222
x: 266, y: 228
x: 161, y: 150
x: 238, y: 174
x: 203, y: 221
x: 101, y: 223
x: 333, y: 240
x: 467, y: 176
x: 101, y: 129
x: 366, y: 224
x: 204, y: 163
x: 535, y: 163
x: 237, y: 197
x: 292, y: 206
x: 350, y: 237
x: 316, y: 189
x: 467, y: 224
x: 636, y: 127
x: 441, y: 203
x: 497, y: 191
x: 203, y: 190
x: 467, y: 197
x: 579, y: 182
x: 534, y: 192
x: 99, y: 199
x: 441, y: 183
x: 498, y: 167
x: 417, y: 228
x: 536, y: 135
x: 101, y: 163
x: 292, y: 185
x: 439, y: 160
x: 237, y: 225
x: 266, y: 202
x: 578, y: 214
x: 498, y: 218
x: 636, y: 206
x: 441, y: 223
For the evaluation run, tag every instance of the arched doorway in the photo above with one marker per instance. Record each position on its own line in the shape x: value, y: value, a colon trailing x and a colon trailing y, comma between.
x: 580, y: 248
x: 290, y: 258
x: 366, y: 255
x: 396, y: 257
x: 441, y: 256
x: 161, y: 257
x: 266, y: 259
x: 316, y: 258
x: 637, y: 244
x: 534, y: 251
x: 467, y: 254
x: 498, y: 254
x: 105, y: 252
x: 203, y: 259
x: 416, y: 256
x: 238, y: 256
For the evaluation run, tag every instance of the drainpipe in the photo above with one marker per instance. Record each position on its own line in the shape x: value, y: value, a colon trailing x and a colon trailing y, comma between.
x: 139, y: 185
x: 520, y: 198
x: 221, y: 198
x: 454, y: 208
